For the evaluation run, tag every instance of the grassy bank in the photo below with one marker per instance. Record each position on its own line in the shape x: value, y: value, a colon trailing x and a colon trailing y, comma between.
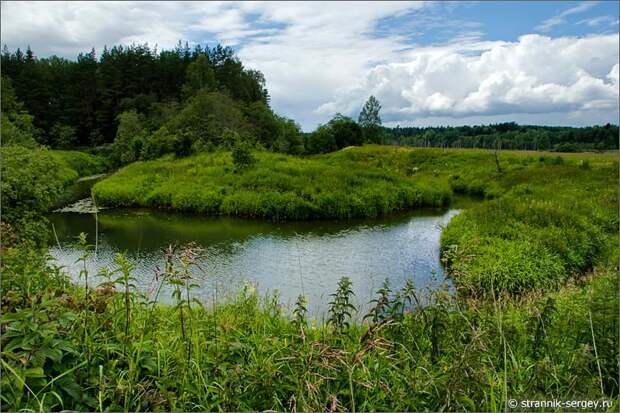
x: 535, y: 262
x: 98, y: 348
x: 278, y: 187
x: 542, y: 217
x: 32, y: 182
x: 83, y: 163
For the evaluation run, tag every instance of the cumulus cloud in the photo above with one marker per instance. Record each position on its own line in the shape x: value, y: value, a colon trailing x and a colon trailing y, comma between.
x: 322, y: 50
x: 307, y: 50
x: 68, y: 28
x: 536, y: 74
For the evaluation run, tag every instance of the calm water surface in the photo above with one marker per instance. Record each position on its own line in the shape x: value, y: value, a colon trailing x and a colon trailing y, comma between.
x: 290, y: 258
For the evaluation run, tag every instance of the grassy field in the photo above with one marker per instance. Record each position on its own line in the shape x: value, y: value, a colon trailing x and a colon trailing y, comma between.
x: 278, y: 187
x: 535, y: 263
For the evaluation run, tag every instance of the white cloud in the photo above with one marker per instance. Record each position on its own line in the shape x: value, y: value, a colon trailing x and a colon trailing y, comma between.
x: 307, y: 50
x: 323, y: 50
x: 560, y: 18
x: 535, y: 74
x: 599, y: 21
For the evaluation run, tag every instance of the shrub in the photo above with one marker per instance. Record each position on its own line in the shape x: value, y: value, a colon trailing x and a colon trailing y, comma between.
x: 130, y: 137
x: 242, y: 156
x: 32, y: 180
x: 63, y: 136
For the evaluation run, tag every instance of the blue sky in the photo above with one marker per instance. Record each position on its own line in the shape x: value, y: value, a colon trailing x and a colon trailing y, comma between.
x: 428, y: 63
x: 511, y: 19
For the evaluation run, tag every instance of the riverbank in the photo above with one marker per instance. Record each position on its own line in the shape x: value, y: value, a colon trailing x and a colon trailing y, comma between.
x: 104, y: 349
x: 535, y: 317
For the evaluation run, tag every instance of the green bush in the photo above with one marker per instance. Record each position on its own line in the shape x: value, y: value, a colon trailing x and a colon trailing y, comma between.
x: 242, y: 156
x: 32, y: 182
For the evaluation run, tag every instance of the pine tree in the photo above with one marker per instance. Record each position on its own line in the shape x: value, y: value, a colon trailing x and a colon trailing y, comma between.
x: 370, y: 120
x: 370, y: 113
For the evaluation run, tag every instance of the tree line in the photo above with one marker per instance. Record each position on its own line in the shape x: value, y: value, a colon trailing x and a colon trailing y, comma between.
x: 134, y: 102
x: 77, y: 102
x: 507, y: 136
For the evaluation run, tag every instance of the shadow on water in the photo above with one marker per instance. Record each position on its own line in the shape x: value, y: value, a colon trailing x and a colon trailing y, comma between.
x: 292, y: 257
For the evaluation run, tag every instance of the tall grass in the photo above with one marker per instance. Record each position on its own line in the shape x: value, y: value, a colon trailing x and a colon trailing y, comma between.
x: 84, y: 164
x: 453, y: 354
x: 278, y: 187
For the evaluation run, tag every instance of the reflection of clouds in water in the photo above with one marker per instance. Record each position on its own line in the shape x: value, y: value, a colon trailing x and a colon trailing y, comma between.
x: 307, y: 263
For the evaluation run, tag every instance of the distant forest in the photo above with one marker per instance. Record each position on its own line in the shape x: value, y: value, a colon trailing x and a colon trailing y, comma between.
x: 148, y: 102
x: 508, y: 136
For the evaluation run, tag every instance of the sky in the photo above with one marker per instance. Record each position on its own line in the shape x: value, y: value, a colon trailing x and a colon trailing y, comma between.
x: 428, y: 63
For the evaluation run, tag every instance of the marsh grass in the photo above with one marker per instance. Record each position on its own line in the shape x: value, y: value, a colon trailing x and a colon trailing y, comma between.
x: 451, y: 354
x: 277, y: 187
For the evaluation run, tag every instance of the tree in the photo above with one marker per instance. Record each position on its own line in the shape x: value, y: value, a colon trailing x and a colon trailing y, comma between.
x: 322, y: 140
x: 17, y: 129
x: 265, y: 125
x: 82, y: 96
x: 346, y: 132
x: 62, y: 136
x: 370, y: 120
x: 89, y: 93
x: 338, y: 133
x: 33, y: 88
x: 199, y: 75
x: 289, y: 138
x: 130, y: 137
x: 17, y: 126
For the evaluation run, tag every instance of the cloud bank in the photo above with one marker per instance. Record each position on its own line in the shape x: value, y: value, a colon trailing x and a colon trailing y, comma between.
x: 533, y: 75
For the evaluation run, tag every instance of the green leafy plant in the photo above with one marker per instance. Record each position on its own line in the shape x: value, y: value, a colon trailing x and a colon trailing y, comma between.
x: 341, y: 308
x: 380, y: 309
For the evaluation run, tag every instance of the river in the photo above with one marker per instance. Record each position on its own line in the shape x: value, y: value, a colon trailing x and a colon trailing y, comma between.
x: 290, y: 258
